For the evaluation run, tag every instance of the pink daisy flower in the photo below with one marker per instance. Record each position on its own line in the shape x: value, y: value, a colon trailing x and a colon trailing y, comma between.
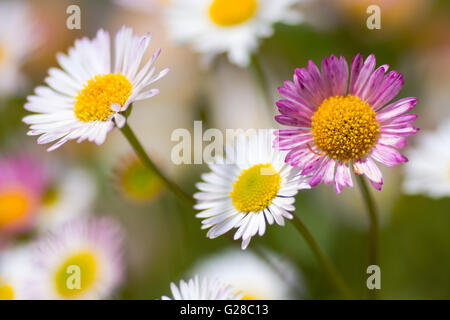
x: 22, y: 184
x: 340, y: 125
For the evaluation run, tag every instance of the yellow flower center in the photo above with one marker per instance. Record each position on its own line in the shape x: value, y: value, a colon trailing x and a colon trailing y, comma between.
x: 255, y: 188
x: 6, y: 292
x: 94, y: 101
x: 76, y: 275
x: 345, y: 127
x: 14, y: 205
x: 228, y: 13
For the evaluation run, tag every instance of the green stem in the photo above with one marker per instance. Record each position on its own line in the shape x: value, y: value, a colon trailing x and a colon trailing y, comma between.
x: 373, y: 229
x: 137, y: 146
x: 331, y: 271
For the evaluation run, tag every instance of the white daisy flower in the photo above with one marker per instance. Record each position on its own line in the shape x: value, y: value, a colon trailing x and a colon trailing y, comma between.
x: 81, y: 260
x: 251, y: 186
x: 15, y: 270
x: 428, y: 169
x: 68, y: 197
x: 86, y: 98
x: 252, y: 276
x: 16, y: 24
x: 234, y: 27
x: 202, y: 289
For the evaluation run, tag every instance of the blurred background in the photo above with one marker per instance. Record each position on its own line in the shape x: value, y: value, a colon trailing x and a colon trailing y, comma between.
x: 164, y: 240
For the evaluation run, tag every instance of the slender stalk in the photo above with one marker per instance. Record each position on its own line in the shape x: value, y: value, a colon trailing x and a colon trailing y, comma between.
x: 373, y: 229
x: 137, y: 146
x: 331, y: 271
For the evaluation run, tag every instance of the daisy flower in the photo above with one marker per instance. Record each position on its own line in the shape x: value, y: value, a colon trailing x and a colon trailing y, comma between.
x: 87, y: 97
x: 16, y: 22
x: 248, y: 188
x: 81, y: 260
x: 22, y: 184
x: 252, y: 276
x: 15, y: 270
x: 227, y: 26
x: 341, y: 126
x: 70, y: 195
x: 428, y: 170
x: 201, y: 289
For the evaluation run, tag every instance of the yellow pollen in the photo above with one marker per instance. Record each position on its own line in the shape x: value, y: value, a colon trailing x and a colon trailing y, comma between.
x: 94, y: 101
x: 6, y: 292
x: 255, y: 188
x: 228, y: 13
x: 14, y: 205
x: 76, y: 275
x: 345, y: 127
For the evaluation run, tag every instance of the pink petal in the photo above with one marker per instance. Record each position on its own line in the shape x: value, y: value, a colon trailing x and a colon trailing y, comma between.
x: 311, y: 165
x: 356, y: 66
x: 400, y: 121
x: 374, y: 82
x: 343, y: 177
x: 387, y: 155
x: 335, y: 75
x: 396, y: 108
x: 289, y: 121
x: 309, y: 88
x: 364, y: 74
x: 370, y: 169
x: 288, y: 108
x: 390, y: 87
x: 405, y: 131
x: 325, y: 173
x: 392, y: 140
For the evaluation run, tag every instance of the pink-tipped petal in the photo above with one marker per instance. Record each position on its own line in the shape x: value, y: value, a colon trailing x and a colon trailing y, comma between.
x: 369, y: 168
x: 335, y: 75
x: 387, y: 155
x: 343, y: 177
x: 392, y: 140
x: 364, y: 74
x: 395, y: 109
x: 403, y: 131
x: 357, y: 64
x: 324, y: 173
x: 387, y: 90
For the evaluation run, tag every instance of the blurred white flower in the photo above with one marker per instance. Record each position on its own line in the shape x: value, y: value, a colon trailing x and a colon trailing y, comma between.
x: 19, y: 37
x: 15, y: 271
x: 428, y: 169
x: 69, y: 196
x: 234, y: 27
x: 201, y: 289
x: 81, y: 260
x: 251, y: 275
